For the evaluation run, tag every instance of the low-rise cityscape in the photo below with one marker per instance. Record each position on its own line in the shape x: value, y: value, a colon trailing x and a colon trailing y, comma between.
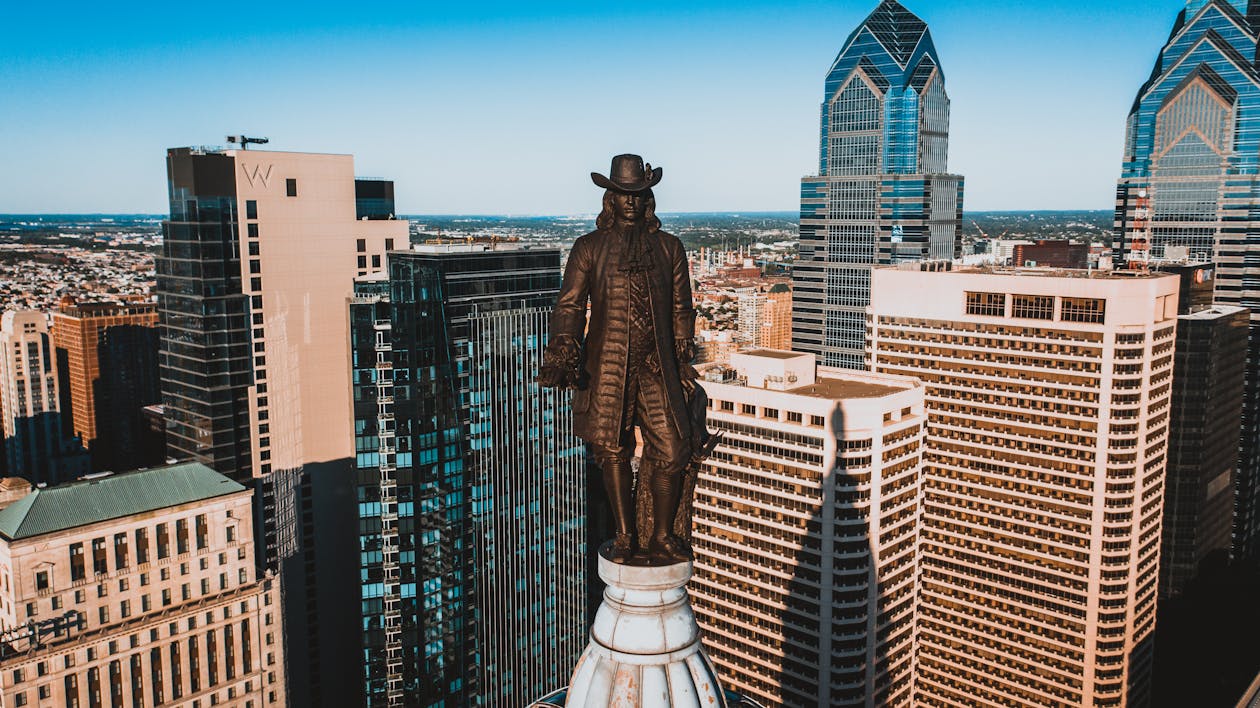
x: 285, y: 446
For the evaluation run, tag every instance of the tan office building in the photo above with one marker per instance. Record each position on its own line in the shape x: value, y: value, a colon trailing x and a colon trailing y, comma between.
x: 804, y: 537
x: 137, y: 589
x: 77, y: 329
x: 1048, y: 396
x: 35, y: 446
x: 257, y: 269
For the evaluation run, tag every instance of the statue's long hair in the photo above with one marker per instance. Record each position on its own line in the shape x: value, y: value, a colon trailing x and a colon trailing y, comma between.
x: 606, y: 218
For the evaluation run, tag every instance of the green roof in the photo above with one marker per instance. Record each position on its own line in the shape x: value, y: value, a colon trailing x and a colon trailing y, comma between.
x: 88, y: 501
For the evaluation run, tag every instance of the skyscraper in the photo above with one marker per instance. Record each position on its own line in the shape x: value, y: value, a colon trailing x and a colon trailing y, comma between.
x: 125, y: 334
x: 1207, y: 397
x: 805, y: 531
x: 1191, y: 179
x: 35, y: 445
x: 258, y: 260
x: 882, y: 194
x: 1048, y: 396
x: 471, y: 485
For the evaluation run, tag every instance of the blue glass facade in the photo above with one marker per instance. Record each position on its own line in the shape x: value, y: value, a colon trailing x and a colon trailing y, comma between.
x: 882, y: 194
x: 1190, y: 186
x: 470, y: 483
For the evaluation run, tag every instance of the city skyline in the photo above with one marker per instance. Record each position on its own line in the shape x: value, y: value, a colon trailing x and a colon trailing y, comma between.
x: 717, y: 73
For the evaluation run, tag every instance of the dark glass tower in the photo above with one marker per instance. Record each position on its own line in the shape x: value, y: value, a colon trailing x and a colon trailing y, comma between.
x: 205, y: 361
x: 1190, y: 183
x: 882, y: 194
x: 471, y: 485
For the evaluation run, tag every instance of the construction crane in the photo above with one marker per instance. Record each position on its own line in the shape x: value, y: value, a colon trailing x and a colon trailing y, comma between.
x: 245, y: 141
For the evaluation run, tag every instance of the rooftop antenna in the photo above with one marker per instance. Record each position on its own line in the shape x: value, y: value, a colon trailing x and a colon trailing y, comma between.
x: 245, y: 141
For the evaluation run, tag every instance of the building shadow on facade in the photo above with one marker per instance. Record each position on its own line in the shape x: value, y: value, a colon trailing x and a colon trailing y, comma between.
x: 1205, y: 648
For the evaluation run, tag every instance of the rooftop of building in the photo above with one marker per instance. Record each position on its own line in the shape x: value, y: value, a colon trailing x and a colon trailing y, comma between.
x: 798, y: 373
x: 844, y: 387
x: 476, y: 246
x: 1212, y: 312
x: 114, y: 496
x: 772, y: 353
x: 1034, y: 271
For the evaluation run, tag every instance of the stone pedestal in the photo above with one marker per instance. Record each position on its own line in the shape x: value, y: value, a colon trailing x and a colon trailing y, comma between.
x: 645, y: 645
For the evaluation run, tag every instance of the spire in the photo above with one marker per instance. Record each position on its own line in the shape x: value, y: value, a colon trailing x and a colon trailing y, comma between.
x: 898, y: 29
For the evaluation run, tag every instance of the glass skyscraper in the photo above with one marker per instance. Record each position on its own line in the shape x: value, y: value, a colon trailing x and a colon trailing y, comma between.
x: 471, y: 485
x: 882, y: 194
x: 259, y: 256
x: 1190, y: 187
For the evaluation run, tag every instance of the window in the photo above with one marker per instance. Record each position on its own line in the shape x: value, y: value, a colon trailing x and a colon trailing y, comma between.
x: 77, y: 571
x: 203, y: 532
x: 231, y: 534
x: 747, y: 409
x: 1084, y: 309
x: 360, y: 245
x: 389, y: 244
x: 253, y: 248
x: 56, y: 603
x: 989, y: 304
x: 363, y: 261
x: 255, y: 267
x: 376, y: 261
x: 290, y: 187
x: 1033, y: 307
x: 181, y: 536
x: 99, y: 564
x: 41, y: 580
x: 120, y: 551
x: 251, y: 209
x: 163, y: 542
x: 142, y: 546
x: 793, y: 417
x: 166, y: 598
x: 816, y: 421
x: 252, y: 230
x: 124, y: 609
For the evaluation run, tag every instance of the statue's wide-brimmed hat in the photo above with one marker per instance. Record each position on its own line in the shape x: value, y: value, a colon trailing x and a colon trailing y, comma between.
x: 628, y: 174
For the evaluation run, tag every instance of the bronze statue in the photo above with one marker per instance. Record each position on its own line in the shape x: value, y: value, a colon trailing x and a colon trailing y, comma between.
x: 631, y: 365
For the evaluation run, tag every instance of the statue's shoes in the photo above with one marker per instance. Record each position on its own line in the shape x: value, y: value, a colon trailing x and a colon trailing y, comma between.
x: 669, y: 549
x: 622, y: 548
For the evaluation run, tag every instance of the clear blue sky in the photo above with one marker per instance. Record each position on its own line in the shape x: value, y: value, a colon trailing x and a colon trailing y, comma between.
x: 492, y: 107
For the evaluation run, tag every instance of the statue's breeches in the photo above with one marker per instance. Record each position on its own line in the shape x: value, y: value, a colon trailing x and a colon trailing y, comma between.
x: 647, y: 407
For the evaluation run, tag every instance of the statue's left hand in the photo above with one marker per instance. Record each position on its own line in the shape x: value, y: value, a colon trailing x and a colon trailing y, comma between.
x: 685, y: 352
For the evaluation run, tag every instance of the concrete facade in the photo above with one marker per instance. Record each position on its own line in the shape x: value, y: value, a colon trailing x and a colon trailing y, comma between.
x: 158, y: 607
x: 805, y: 523
x: 1048, y: 396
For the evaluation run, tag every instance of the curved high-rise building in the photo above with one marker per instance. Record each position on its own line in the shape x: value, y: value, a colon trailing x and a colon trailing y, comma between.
x: 1190, y: 187
x: 882, y: 194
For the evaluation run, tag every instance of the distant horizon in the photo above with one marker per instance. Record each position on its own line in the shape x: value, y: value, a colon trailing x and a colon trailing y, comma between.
x: 592, y: 214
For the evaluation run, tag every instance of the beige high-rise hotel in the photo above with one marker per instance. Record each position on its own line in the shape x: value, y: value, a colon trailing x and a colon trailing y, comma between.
x: 254, y: 281
x: 804, y: 536
x: 137, y: 589
x: 1048, y: 396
